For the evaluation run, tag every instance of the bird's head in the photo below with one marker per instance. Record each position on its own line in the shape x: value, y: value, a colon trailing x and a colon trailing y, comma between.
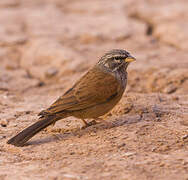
x: 115, y: 59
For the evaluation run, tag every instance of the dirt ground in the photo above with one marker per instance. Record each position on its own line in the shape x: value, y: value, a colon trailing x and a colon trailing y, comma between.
x: 46, y: 45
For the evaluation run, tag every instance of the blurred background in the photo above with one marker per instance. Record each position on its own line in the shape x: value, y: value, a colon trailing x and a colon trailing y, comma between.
x: 53, y: 39
x: 46, y: 45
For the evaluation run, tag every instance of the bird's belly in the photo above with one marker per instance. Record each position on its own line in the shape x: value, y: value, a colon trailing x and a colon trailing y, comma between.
x: 96, y: 111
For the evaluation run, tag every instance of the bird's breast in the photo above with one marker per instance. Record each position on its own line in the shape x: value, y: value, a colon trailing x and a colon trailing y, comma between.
x: 121, y: 76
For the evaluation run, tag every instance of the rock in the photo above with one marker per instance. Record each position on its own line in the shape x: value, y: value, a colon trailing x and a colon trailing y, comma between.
x: 170, y: 89
x: 51, y: 72
x: 4, y: 123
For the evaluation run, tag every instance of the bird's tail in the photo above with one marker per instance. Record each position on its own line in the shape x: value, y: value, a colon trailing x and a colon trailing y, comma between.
x: 21, y: 138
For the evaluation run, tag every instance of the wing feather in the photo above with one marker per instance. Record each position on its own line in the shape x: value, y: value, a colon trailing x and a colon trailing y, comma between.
x: 93, y: 88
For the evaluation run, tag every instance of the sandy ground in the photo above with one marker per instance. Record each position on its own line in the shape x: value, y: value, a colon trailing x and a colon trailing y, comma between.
x: 46, y: 45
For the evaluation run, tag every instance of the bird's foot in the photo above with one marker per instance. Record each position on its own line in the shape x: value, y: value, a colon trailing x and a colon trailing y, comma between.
x: 88, y: 124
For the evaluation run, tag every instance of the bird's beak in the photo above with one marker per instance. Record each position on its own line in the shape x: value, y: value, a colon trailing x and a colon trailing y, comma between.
x: 130, y: 59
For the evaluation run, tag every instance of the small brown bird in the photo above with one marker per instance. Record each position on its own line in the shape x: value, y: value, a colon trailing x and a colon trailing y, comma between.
x: 95, y: 94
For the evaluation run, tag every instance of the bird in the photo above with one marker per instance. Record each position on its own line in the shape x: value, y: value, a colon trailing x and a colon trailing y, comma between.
x: 92, y: 96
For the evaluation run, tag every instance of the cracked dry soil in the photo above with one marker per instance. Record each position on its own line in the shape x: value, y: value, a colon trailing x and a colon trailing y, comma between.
x: 46, y: 45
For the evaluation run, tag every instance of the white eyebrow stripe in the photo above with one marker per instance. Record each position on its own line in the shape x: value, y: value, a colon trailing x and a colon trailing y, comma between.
x: 115, y: 56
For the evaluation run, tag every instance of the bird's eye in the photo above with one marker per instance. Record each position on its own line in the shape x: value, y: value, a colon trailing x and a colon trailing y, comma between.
x: 117, y: 59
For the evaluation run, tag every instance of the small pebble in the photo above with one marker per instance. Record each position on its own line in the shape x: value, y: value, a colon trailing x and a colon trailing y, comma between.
x: 51, y: 72
x: 170, y: 89
x: 185, y: 137
x: 4, y: 123
x: 2, y: 137
x: 129, y: 154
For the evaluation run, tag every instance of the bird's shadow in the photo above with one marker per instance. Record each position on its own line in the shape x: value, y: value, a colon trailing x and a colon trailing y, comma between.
x: 120, y: 121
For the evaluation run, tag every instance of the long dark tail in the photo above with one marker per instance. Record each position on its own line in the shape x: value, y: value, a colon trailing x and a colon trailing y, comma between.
x: 21, y: 138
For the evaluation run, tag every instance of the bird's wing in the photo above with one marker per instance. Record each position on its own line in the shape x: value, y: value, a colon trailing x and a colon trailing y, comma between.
x: 93, y: 88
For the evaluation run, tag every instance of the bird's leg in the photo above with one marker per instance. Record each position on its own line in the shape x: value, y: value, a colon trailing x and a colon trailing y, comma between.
x: 98, y: 120
x: 86, y: 124
x: 93, y: 122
